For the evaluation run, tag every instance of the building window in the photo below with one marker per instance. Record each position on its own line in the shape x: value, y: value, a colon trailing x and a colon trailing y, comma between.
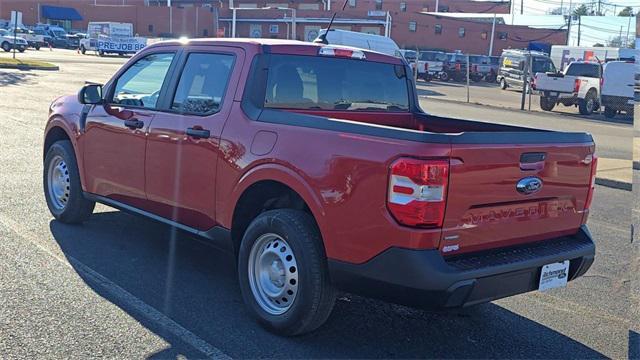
x: 309, y: 7
x: 378, y: 4
x: 274, y: 29
x: 484, y: 35
x: 352, y: 3
x: 438, y: 29
x: 150, y: 28
x: 503, y: 36
x: 413, y: 26
x: 443, y: 8
x: 461, y: 32
x: 403, y: 6
x: 205, y: 32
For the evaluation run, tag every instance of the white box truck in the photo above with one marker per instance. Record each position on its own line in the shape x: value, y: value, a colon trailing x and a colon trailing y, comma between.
x: 562, y: 55
x: 111, y: 38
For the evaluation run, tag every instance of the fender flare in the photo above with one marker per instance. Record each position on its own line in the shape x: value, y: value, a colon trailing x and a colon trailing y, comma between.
x: 280, y: 173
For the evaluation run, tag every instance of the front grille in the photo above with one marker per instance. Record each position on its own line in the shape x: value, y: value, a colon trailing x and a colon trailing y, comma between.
x: 515, y: 254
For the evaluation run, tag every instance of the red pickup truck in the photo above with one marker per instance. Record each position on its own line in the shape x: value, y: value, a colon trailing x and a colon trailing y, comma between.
x: 315, y: 166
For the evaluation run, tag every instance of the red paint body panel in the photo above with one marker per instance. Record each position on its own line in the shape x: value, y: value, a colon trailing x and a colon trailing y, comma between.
x: 342, y: 176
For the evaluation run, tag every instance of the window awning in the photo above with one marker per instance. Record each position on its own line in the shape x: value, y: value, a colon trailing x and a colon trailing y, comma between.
x: 60, y: 13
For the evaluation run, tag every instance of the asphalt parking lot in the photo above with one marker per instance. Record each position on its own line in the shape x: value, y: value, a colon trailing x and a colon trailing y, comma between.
x: 122, y: 286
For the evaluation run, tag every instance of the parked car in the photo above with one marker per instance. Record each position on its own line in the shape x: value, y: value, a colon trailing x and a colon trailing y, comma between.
x: 316, y: 168
x: 9, y: 42
x: 494, y: 62
x: 512, y: 67
x: 431, y: 65
x: 58, y: 36
x: 618, y: 88
x: 48, y: 40
x: 480, y: 67
x: 578, y: 85
x: 381, y: 44
x: 33, y: 40
x: 456, y: 66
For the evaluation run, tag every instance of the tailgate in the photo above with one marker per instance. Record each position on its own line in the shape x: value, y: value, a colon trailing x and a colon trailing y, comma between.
x: 486, y: 210
x: 552, y: 83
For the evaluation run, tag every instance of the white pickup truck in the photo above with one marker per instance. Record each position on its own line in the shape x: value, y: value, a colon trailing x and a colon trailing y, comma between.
x: 33, y: 40
x: 579, y: 85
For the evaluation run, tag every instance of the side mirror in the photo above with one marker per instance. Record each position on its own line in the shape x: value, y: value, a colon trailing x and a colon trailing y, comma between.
x: 90, y: 94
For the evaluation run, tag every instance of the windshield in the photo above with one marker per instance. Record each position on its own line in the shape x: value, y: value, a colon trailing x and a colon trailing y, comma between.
x: 321, y: 83
x: 59, y: 33
x: 542, y: 65
x: 474, y: 59
x: 584, y: 70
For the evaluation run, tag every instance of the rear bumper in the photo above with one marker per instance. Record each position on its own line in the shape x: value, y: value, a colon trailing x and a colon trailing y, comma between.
x: 424, y: 278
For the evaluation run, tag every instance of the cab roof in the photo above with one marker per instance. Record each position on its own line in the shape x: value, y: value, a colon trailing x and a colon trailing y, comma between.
x: 276, y: 46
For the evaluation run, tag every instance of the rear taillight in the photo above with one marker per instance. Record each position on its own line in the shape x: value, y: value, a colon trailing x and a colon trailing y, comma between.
x: 417, y: 191
x: 576, y: 86
x: 601, y: 82
x: 341, y: 52
x: 426, y: 67
x: 458, y: 67
x: 534, y: 81
x: 592, y: 186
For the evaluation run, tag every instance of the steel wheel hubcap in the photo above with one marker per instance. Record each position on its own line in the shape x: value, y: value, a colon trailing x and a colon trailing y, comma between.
x: 59, y: 182
x: 273, y: 274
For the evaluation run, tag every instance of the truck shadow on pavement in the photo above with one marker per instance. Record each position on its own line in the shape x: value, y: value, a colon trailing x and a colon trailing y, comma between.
x: 15, y: 78
x: 195, y: 285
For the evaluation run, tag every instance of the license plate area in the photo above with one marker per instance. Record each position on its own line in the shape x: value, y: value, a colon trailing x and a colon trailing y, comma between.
x: 554, y: 276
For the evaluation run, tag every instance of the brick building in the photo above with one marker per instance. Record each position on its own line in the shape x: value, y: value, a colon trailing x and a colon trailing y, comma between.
x: 410, y: 23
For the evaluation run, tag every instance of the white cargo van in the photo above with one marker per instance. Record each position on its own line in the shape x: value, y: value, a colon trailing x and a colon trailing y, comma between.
x: 378, y: 43
x: 618, y: 82
x: 111, y: 37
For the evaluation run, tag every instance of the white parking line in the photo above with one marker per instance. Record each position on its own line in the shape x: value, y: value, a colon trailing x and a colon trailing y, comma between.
x: 120, y: 295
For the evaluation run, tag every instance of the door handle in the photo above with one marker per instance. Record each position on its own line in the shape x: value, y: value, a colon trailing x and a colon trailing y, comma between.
x: 198, y: 133
x: 134, y: 124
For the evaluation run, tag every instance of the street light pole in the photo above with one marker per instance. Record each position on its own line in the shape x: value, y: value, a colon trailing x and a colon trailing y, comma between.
x: 493, y: 34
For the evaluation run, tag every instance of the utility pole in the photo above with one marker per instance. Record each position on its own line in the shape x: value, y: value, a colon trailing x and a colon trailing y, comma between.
x: 579, y: 28
x: 569, y: 17
x: 621, y: 27
x: 437, y: 5
x: 521, y: 7
x: 493, y: 35
x: 626, y: 40
x: 599, y: 8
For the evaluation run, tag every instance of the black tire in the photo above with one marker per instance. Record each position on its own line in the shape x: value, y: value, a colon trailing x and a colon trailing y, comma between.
x: 100, y: 53
x: 22, y: 50
x: 76, y: 208
x: 610, y: 113
x: 444, y: 76
x: 589, y: 104
x: 547, y: 104
x: 315, y: 295
x: 83, y: 50
x: 37, y: 47
x: 426, y: 77
x: 503, y: 84
x: 6, y: 46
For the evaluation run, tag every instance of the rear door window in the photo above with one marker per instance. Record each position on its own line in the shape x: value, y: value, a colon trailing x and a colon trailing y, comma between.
x: 203, y: 83
x: 322, y: 83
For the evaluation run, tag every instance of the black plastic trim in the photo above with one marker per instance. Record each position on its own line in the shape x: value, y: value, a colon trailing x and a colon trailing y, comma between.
x: 217, y: 235
x: 425, y: 278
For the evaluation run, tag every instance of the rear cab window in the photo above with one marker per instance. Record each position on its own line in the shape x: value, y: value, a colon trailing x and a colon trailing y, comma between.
x: 584, y: 70
x: 323, y: 83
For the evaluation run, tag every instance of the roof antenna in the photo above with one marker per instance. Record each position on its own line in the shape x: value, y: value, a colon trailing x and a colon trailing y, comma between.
x: 322, y: 39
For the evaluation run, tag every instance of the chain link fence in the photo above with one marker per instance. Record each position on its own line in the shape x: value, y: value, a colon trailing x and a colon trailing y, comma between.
x: 588, y: 90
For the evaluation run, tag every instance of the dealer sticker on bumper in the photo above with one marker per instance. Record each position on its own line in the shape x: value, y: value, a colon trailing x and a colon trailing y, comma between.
x: 554, y: 275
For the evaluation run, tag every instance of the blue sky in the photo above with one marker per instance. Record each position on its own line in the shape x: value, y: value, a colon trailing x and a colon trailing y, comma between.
x: 594, y: 28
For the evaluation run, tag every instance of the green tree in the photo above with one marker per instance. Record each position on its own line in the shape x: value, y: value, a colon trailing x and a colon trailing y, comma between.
x: 628, y: 11
x: 581, y: 10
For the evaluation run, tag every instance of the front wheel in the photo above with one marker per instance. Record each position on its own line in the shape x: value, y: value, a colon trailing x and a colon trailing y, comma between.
x: 589, y: 104
x: 283, y: 275
x: 503, y: 84
x: 62, y: 188
x: 83, y: 50
x: 444, y: 76
x: 37, y: 47
x: 6, y: 46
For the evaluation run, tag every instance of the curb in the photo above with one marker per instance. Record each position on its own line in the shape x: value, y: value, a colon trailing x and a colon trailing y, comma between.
x: 615, y: 184
x: 27, y: 67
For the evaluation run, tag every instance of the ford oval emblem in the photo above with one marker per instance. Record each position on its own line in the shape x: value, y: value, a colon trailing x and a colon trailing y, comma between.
x: 529, y: 185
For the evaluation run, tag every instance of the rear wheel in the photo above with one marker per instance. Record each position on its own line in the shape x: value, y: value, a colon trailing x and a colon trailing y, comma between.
x: 62, y: 188
x: 547, y: 104
x: 83, y: 50
x: 589, y: 104
x: 6, y: 46
x: 610, y: 113
x: 444, y: 76
x: 283, y: 272
x: 37, y: 47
